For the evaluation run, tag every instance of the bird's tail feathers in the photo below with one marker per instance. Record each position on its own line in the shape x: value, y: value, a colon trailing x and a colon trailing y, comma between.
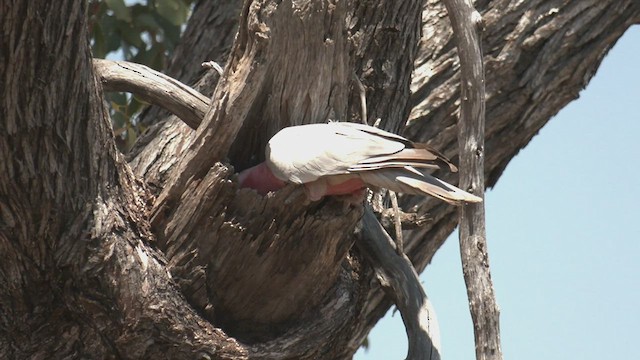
x: 412, y: 181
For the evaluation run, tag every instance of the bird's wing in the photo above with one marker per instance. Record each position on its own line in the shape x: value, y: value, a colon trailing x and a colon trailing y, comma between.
x: 413, y: 154
x: 302, y: 154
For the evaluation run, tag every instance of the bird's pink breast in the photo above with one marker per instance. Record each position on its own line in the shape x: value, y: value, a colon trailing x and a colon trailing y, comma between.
x: 346, y: 187
x: 261, y: 179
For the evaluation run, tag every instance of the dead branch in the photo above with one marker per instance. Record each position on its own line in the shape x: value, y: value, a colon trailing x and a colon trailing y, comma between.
x: 408, y: 220
x: 400, y: 281
x: 466, y: 21
x: 153, y: 87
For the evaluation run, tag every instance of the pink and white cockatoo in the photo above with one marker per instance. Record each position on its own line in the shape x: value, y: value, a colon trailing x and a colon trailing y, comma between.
x: 342, y: 158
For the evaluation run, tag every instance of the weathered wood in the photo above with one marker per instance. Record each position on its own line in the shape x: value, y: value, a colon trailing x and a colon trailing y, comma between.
x: 330, y: 75
x: 400, y: 280
x: 153, y: 87
x: 330, y: 80
x: 208, y: 36
x: 251, y: 264
x: 394, y: 271
x: 467, y: 24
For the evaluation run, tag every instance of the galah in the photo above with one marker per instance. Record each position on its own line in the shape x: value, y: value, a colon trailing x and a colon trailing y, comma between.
x: 340, y: 158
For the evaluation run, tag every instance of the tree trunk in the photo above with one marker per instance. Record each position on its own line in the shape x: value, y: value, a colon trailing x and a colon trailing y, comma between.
x: 79, y: 279
x: 88, y: 241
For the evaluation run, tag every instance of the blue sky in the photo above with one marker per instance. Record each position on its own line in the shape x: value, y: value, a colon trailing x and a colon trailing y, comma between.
x: 564, y: 236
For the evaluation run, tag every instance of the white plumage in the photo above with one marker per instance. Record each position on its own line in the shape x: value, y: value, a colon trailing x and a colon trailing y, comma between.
x: 323, y: 155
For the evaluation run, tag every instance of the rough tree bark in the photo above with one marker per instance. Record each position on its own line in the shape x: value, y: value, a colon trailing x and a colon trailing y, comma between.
x: 85, y: 273
x: 78, y: 278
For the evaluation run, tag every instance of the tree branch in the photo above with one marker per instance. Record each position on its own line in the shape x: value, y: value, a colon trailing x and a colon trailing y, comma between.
x: 466, y: 21
x: 153, y: 87
x: 400, y: 281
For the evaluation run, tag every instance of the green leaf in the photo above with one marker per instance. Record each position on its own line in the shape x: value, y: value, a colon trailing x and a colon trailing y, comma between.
x: 131, y: 35
x: 145, y: 32
x: 99, y: 46
x: 120, y: 9
x: 146, y: 21
x: 112, y: 39
x: 153, y: 58
x: 119, y: 122
x: 118, y: 97
x: 135, y: 106
x: 176, y: 11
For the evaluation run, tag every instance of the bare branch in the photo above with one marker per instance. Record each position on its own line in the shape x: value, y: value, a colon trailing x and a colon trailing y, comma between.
x: 213, y: 65
x: 408, y: 220
x: 465, y: 21
x: 397, y: 222
x: 400, y: 281
x: 153, y: 87
x: 363, y: 99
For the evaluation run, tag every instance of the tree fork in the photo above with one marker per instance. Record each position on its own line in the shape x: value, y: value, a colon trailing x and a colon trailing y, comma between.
x: 394, y: 270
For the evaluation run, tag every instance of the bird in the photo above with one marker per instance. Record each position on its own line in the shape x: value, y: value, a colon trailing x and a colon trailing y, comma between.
x: 342, y: 158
